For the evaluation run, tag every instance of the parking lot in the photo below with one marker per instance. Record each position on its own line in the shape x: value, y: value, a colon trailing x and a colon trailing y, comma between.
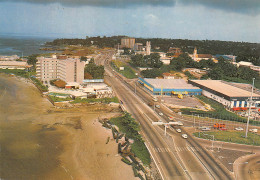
x: 187, y: 101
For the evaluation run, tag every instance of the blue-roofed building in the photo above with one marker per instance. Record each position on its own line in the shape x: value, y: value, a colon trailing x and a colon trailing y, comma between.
x: 226, y: 57
x: 169, y: 87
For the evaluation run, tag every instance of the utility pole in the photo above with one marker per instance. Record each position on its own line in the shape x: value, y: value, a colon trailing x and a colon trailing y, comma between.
x: 250, y: 105
x: 135, y: 87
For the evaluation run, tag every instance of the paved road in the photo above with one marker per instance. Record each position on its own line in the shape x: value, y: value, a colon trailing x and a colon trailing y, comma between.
x: 171, y: 165
x: 247, y: 167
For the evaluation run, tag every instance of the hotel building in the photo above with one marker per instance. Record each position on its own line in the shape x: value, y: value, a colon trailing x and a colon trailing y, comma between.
x: 68, y: 70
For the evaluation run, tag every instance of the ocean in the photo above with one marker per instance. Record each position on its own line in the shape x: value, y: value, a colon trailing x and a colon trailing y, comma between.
x: 22, y: 45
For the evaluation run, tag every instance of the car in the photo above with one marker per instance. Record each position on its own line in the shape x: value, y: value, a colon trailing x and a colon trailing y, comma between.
x: 185, y: 136
x: 171, y: 118
x: 178, y: 130
x: 158, y: 106
x: 239, y: 129
x: 205, y: 129
x: 180, y: 123
x: 161, y: 114
x: 253, y: 130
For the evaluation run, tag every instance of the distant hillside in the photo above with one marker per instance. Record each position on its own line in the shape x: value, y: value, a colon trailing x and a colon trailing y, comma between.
x: 244, y: 50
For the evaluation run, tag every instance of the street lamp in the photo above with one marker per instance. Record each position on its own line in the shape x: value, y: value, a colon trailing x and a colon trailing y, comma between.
x: 250, y: 104
x: 236, y: 172
x: 213, y: 138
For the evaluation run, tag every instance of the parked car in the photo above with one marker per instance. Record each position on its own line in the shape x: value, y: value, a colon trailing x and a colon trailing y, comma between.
x: 158, y: 106
x: 180, y: 123
x: 253, y: 130
x: 239, y: 129
x: 171, y: 118
x: 205, y: 129
x: 178, y: 130
x: 185, y: 136
x: 160, y: 113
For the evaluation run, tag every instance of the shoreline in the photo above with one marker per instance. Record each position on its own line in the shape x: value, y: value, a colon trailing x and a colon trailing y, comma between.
x: 74, y: 134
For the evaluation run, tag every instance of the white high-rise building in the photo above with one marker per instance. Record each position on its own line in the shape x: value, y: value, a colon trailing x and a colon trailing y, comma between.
x: 68, y: 70
x: 148, y: 47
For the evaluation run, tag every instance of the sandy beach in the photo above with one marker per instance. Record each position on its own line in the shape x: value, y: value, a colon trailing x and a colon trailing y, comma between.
x: 39, y: 141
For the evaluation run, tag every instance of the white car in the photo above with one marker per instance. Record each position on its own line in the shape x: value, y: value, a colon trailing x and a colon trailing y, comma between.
x: 180, y: 123
x: 161, y: 114
x: 239, y: 129
x: 205, y: 129
x: 253, y: 130
x: 158, y: 106
x: 185, y: 136
x: 178, y: 130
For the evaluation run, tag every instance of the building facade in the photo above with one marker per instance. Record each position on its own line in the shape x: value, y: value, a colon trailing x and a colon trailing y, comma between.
x: 226, y: 94
x: 14, y: 65
x: 68, y: 70
x: 198, y: 57
x: 169, y: 87
x: 127, y: 42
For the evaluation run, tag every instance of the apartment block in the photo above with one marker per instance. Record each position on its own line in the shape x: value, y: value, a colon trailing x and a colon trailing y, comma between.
x: 68, y: 70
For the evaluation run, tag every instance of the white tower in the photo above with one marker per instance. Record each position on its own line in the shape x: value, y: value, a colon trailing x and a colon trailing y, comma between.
x: 148, y: 47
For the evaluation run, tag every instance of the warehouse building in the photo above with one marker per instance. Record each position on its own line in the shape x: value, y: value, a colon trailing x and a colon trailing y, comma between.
x: 169, y: 87
x: 226, y: 94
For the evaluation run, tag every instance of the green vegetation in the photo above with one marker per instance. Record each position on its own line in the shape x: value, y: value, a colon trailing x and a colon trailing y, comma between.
x: 219, y: 112
x: 131, y: 128
x: 39, y: 84
x: 244, y: 50
x: 32, y: 59
x: 97, y: 72
x: 91, y: 100
x: 59, y: 99
x: 128, y: 72
x: 152, y: 60
x: 232, y: 136
x: 17, y: 72
x: 189, y: 75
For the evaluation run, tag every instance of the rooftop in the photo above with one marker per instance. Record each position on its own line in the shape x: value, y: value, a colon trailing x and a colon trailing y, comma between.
x: 226, y: 89
x: 170, y: 84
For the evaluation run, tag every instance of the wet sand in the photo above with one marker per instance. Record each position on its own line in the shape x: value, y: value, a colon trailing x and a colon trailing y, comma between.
x: 39, y: 141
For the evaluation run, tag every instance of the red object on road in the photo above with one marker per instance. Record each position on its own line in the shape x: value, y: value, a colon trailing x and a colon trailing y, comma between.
x: 219, y: 125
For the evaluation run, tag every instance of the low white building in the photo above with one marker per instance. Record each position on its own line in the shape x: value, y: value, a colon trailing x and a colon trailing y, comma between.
x: 14, y: 65
x: 226, y: 94
x: 9, y: 58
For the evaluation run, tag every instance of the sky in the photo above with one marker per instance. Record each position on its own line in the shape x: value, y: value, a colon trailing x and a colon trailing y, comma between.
x: 230, y: 20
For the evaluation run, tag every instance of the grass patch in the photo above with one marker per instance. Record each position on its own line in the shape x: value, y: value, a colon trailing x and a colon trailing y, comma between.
x: 17, y: 72
x: 219, y: 112
x: 128, y: 72
x: 39, y: 84
x: 232, y: 136
x: 58, y: 99
x: 91, y: 100
x: 130, y: 127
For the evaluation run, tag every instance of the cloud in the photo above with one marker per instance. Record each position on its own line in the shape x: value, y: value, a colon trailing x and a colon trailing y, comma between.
x: 251, y: 7
x: 101, y: 3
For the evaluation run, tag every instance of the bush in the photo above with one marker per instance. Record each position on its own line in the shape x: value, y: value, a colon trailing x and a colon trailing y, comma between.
x: 91, y: 100
x: 130, y: 127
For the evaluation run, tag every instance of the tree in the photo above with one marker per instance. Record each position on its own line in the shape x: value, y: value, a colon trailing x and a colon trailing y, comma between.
x: 151, y: 73
x: 97, y: 72
x: 83, y: 58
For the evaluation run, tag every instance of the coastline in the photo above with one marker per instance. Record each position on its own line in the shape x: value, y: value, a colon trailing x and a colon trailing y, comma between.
x: 75, y: 136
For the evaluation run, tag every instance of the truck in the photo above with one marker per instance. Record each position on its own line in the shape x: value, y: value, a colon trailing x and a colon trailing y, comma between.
x: 180, y: 96
x: 220, y: 126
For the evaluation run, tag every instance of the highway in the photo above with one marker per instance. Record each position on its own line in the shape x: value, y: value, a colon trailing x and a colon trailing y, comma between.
x: 176, y: 158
